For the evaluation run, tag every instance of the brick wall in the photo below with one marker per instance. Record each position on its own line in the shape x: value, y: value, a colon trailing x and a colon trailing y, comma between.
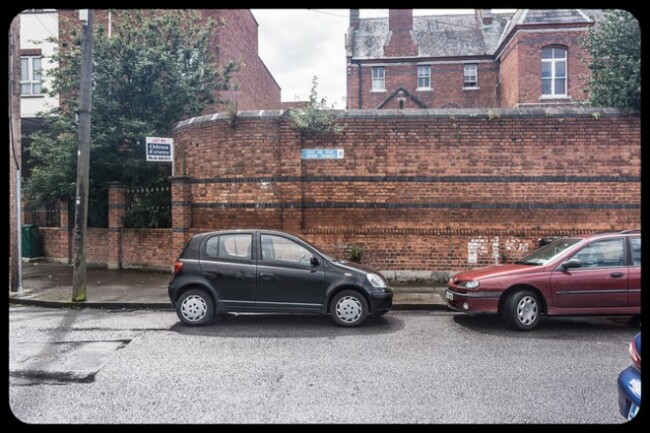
x: 419, y: 189
x: 147, y: 248
x: 237, y: 40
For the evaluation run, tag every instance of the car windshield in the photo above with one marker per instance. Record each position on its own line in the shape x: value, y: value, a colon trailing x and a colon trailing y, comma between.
x: 548, y: 252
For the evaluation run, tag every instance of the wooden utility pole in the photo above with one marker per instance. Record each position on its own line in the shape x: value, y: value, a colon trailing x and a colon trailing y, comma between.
x: 15, y: 157
x: 83, y: 159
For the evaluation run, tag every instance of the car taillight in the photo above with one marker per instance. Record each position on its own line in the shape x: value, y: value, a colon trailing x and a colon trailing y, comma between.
x: 178, y: 266
x: 636, y: 356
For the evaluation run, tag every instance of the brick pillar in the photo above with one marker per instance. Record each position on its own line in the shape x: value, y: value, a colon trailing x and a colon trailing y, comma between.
x: 181, y: 214
x: 116, y: 214
x: 65, y: 243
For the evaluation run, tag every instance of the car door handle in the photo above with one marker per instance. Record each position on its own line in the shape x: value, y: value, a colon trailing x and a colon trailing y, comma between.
x: 617, y: 274
x: 266, y: 275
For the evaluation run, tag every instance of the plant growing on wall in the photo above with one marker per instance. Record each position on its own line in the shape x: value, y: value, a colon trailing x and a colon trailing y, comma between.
x: 355, y: 254
x: 315, y: 116
x: 155, y: 69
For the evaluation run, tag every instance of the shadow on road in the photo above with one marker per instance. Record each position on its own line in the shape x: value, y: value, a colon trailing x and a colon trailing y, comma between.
x: 556, y: 328
x: 258, y: 325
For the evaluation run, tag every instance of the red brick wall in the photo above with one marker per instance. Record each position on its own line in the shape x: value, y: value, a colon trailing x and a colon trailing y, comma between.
x: 54, y: 244
x: 426, y: 190
x: 509, y: 76
x: 147, y: 248
x: 237, y: 40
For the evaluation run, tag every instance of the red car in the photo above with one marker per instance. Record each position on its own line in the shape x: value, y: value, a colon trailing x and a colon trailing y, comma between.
x: 585, y: 274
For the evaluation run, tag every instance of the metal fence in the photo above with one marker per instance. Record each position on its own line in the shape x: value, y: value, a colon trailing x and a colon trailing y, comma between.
x: 148, y: 207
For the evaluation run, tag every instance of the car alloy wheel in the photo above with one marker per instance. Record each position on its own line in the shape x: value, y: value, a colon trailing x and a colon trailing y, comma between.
x: 195, y: 307
x: 349, y: 308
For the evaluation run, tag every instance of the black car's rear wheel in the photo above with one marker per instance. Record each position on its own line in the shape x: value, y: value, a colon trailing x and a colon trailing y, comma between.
x: 349, y: 308
x: 523, y: 310
x: 195, y: 307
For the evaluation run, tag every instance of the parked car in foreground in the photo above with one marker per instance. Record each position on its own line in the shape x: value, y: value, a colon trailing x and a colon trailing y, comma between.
x: 629, y: 382
x: 584, y: 274
x: 271, y: 271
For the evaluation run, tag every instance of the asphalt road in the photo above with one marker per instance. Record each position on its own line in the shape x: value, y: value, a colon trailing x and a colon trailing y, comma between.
x: 408, y: 367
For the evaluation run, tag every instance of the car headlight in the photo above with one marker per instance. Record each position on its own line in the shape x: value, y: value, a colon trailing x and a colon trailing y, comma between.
x: 469, y: 284
x: 376, y: 281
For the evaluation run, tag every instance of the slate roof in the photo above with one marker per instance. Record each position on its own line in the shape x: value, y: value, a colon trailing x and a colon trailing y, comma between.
x: 457, y: 35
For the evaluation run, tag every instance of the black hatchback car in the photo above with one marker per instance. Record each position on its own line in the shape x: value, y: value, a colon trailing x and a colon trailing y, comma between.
x: 271, y: 271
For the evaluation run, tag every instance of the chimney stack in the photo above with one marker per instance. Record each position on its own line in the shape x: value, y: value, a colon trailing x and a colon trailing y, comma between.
x: 399, y: 42
x: 484, y: 16
x: 354, y: 19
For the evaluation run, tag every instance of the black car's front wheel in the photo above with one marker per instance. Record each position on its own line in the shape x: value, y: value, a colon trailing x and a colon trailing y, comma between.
x: 195, y: 307
x: 349, y: 308
x: 523, y: 310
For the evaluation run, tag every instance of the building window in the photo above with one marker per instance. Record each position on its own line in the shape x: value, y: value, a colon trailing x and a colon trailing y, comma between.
x: 554, y: 72
x: 378, y: 79
x: 470, y: 76
x: 424, y: 77
x: 30, y: 75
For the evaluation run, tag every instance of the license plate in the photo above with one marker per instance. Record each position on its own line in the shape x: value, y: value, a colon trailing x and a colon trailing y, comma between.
x: 634, y: 409
x: 450, y: 296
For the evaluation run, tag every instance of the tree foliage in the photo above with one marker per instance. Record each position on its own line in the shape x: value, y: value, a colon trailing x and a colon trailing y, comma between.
x: 154, y: 70
x: 315, y: 116
x: 614, y: 47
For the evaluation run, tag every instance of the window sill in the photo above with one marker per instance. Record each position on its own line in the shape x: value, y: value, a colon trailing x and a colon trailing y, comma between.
x: 424, y: 89
x: 42, y: 95
x: 377, y: 90
x: 555, y: 97
x: 472, y: 88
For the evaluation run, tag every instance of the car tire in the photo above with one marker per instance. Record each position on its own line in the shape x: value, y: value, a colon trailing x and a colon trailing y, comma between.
x: 523, y: 310
x: 195, y: 307
x: 349, y: 308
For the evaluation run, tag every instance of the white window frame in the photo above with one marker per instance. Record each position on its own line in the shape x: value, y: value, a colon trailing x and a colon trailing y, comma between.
x: 424, y: 77
x: 554, y: 61
x: 470, y: 70
x: 378, y: 82
x: 31, y: 80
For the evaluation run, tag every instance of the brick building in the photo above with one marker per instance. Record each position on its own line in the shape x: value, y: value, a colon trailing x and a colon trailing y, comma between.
x: 252, y: 87
x: 480, y: 60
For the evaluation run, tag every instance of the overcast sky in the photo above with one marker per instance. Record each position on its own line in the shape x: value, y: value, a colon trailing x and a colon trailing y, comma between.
x: 298, y: 44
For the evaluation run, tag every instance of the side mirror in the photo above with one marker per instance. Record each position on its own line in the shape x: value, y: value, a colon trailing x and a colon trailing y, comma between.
x: 314, y: 261
x: 573, y: 263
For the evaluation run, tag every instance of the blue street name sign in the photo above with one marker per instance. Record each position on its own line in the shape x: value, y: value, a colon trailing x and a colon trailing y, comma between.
x: 322, y: 153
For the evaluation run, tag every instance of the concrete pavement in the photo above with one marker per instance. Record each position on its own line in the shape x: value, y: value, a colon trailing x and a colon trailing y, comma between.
x: 49, y: 284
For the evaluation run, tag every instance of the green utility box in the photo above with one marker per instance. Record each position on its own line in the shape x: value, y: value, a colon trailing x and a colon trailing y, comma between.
x: 31, y: 244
